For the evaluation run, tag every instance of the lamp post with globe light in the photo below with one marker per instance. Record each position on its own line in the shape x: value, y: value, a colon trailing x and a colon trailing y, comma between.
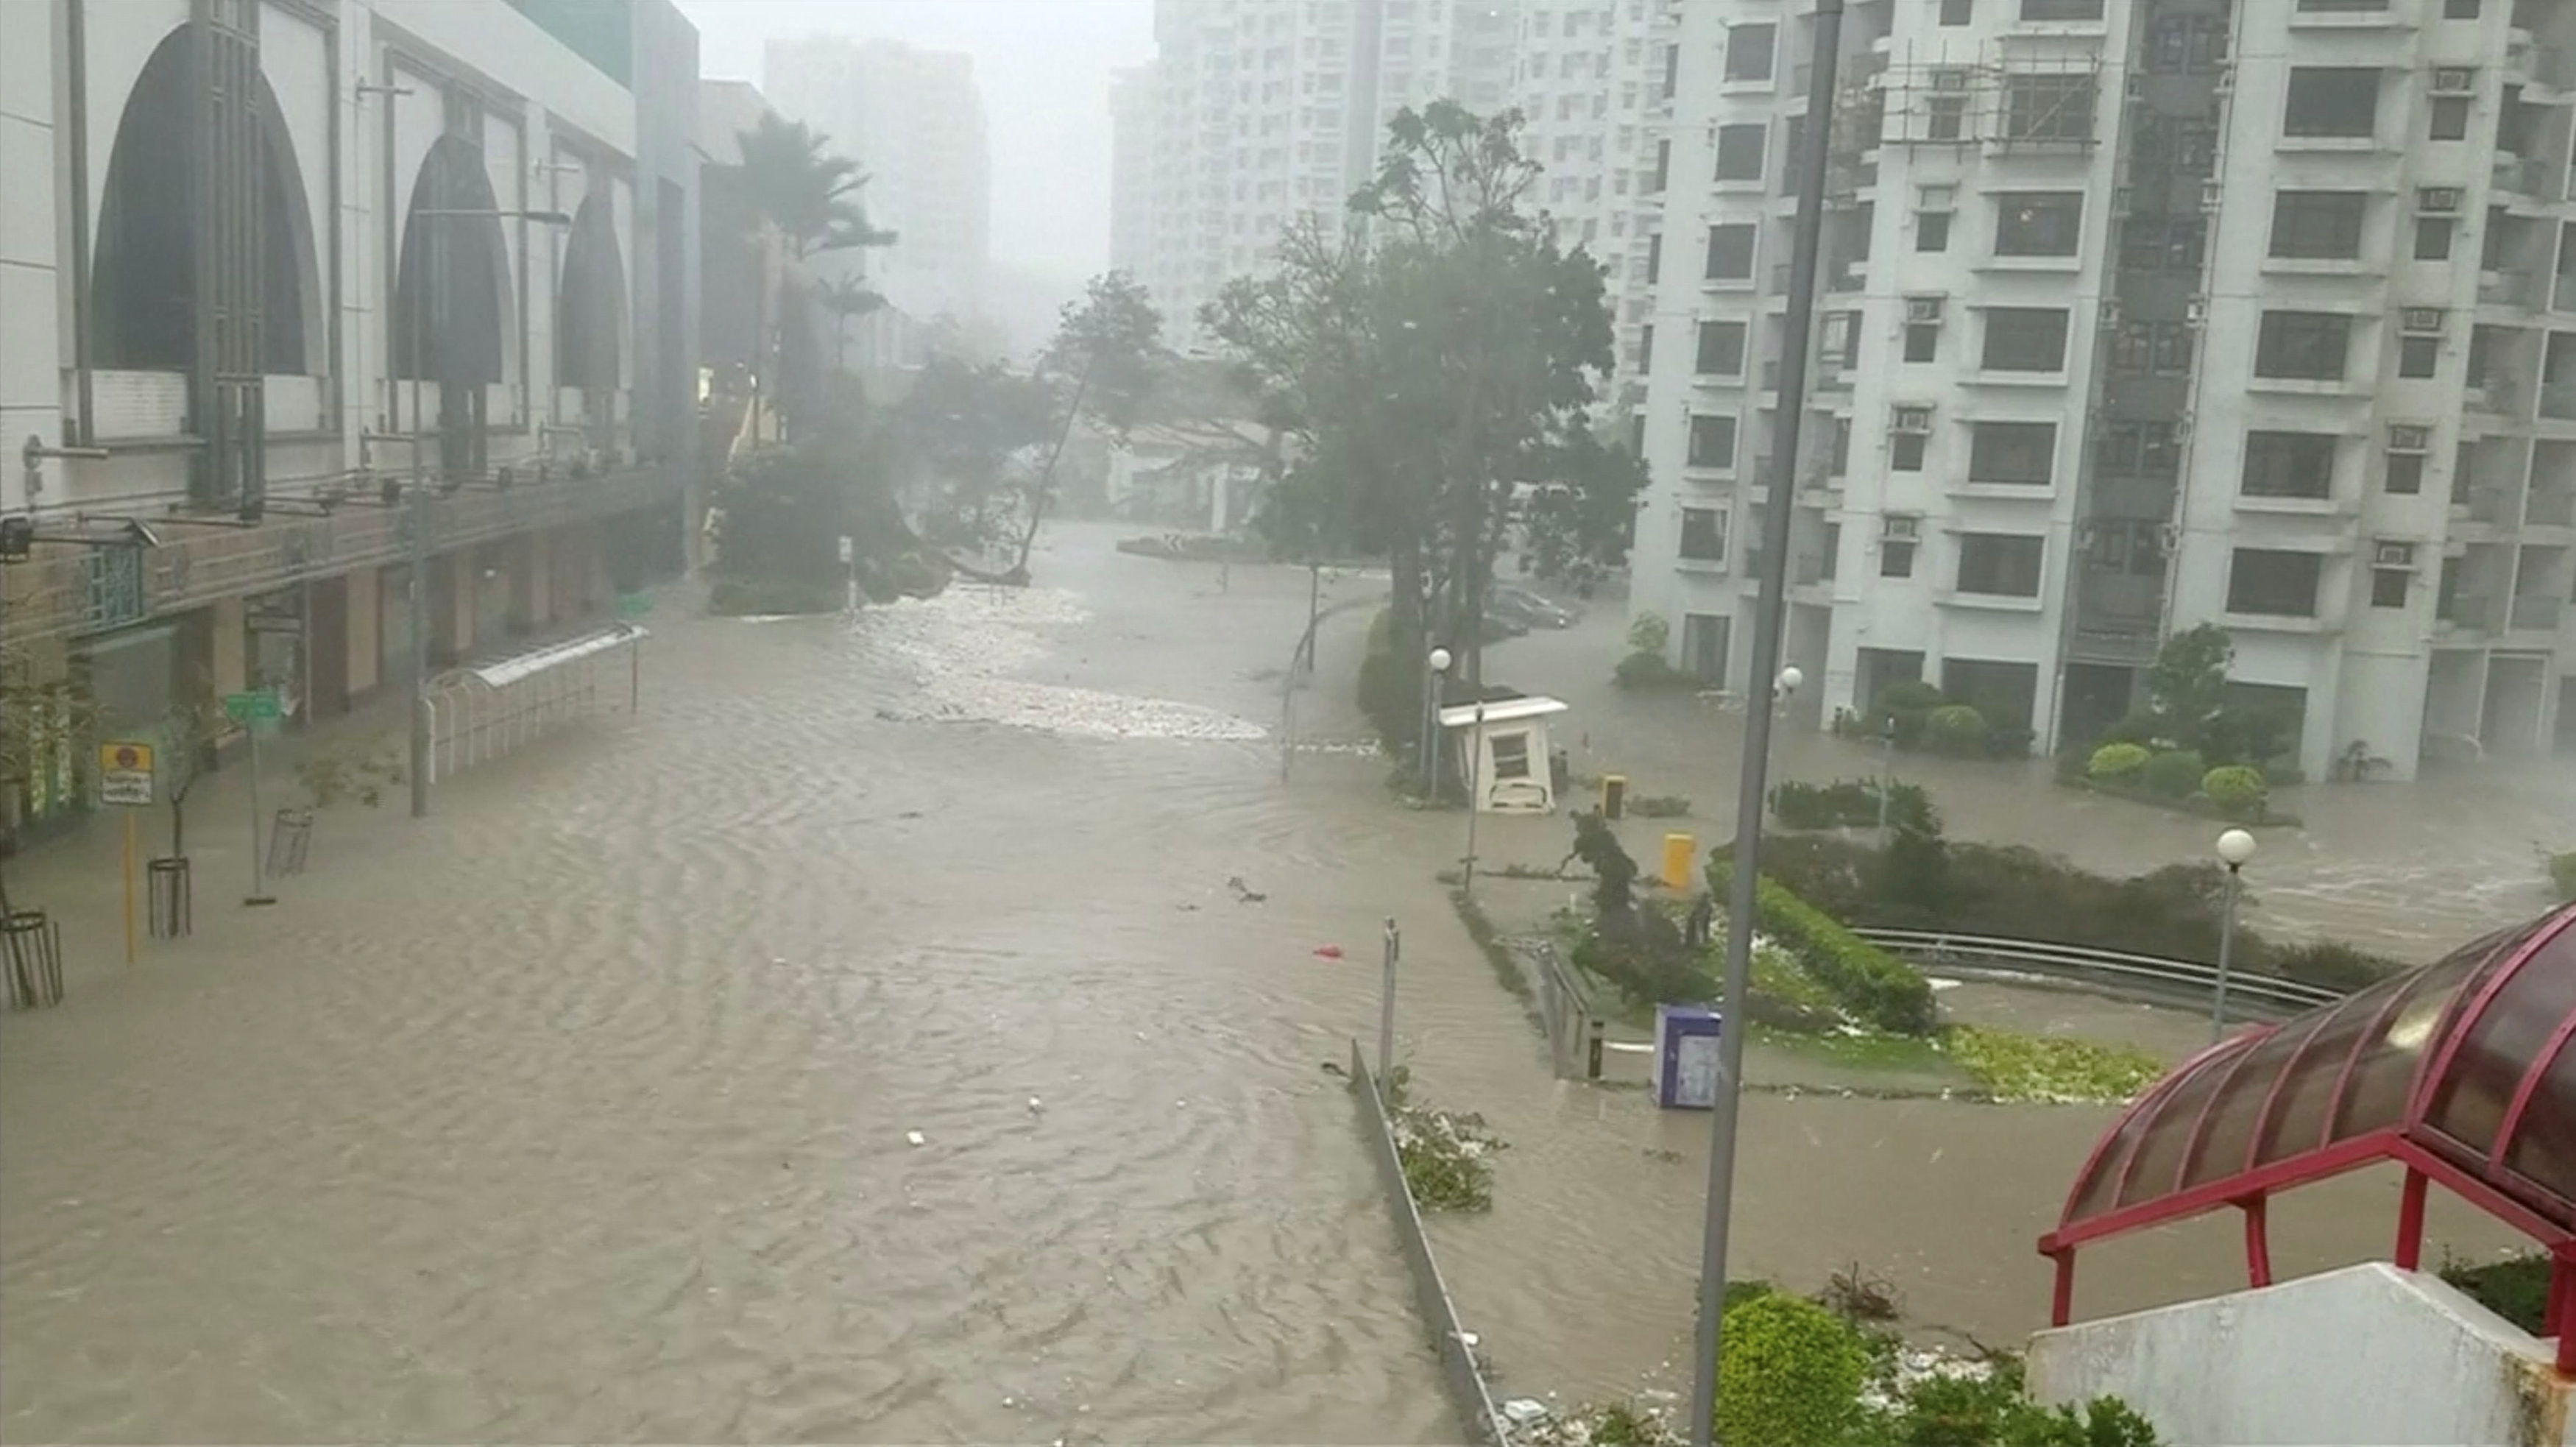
x: 1429, y: 752
x: 2234, y: 848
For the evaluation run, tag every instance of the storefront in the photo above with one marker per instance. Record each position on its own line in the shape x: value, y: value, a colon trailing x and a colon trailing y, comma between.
x: 273, y: 652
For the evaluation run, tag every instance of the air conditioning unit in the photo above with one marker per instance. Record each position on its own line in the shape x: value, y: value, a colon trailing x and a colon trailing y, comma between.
x: 2454, y: 80
x: 2438, y: 201
x: 1913, y: 419
x: 1923, y: 308
x: 1901, y: 528
x: 2393, y: 555
x: 2196, y: 311
x: 2420, y: 321
x: 2410, y: 437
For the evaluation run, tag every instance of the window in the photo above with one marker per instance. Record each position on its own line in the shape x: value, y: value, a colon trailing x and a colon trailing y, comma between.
x: 1946, y: 118
x: 2318, y: 225
x: 2289, y: 464
x: 2419, y: 357
x: 2450, y: 118
x: 2163, y: 242
x: 1730, y: 253
x: 1793, y: 147
x: 1957, y: 12
x: 2405, y: 474
x: 2001, y: 565
x: 1663, y: 166
x: 2459, y: 9
x: 2152, y: 349
x: 2302, y: 346
x: 2388, y: 586
x: 2048, y: 108
x: 2038, y: 223
x: 1712, y: 441
x: 2332, y: 101
x: 2433, y: 238
x: 1922, y: 341
x: 1905, y: 451
x: 1672, y: 69
x: 2025, y: 339
x: 1511, y: 756
x: 1896, y: 555
x: 2061, y: 9
x: 1703, y: 535
x: 2138, y: 449
x: 1646, y: 347
x: 1833, y: 550
x: 2269, y: 582
x: 1739, y: 152
x: 1748, y: 51
x: 1932, y: 218
x: 1721, y: 348
x: 1655, y: 258
x: 2186, y: 44
x: 2020, y: 454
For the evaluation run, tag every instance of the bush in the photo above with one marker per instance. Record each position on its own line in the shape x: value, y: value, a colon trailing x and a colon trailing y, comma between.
x: 2236, y: 789
x: 2562, y: 872
x: 1789, y: 1375
x: 1911, y: 696
x: 1956, y: 729
x: 1649, y: 633
x: 1990, y: 1411
x: 2010, y: 741
x: 2117, y: 761
x: 2335, y: 966
x: 2173, y: 774
x: 1852, y: 803
x: 770, y: 597
x: 1874, y: 987
x: 2516, y: 1288
x: 1649, y: 670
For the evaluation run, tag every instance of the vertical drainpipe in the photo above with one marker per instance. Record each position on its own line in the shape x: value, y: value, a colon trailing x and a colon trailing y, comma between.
x: 84, y: 429
x: 332, y: 298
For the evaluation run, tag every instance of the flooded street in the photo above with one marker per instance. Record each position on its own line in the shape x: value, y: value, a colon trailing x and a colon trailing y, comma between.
x: 580, y: 1110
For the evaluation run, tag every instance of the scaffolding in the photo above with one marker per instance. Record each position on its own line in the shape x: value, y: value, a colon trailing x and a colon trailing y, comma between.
x: 1974, y: 98
x: 478, y: 714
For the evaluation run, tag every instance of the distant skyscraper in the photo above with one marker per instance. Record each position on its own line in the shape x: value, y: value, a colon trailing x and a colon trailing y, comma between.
x: 1133, y: 104
x: 914, y: 121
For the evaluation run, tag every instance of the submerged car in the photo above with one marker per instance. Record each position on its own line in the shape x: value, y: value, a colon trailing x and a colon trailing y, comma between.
x: 1528, y: 609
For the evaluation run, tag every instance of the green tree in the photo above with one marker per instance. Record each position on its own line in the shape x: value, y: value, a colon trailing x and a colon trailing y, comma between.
x: 1102, y: 365
x: 967, y: 433
x: 803, y: 201
x: 45, y: 725
x: 846, y: 298
x: 2187, y: 684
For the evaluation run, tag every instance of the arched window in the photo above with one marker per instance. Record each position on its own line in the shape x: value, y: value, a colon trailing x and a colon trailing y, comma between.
x: 590, y: 301
x: 447, y: 326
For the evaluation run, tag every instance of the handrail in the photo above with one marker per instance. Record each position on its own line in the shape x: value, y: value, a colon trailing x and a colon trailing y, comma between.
x: 2262, y: 991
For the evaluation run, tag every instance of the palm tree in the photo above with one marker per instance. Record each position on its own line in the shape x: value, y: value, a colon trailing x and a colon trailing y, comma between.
x: 805, y: 200
x: 845, y: 298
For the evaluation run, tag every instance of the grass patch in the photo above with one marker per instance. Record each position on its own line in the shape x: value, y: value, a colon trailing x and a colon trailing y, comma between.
x: 1860, y: 1050
x: 1448, y: 1157
x: 1489, y: 942
x: 2022, y: 1068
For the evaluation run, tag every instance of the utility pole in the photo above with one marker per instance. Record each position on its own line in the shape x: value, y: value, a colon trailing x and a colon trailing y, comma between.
x: 416, y: 510
x: 1769, y: 616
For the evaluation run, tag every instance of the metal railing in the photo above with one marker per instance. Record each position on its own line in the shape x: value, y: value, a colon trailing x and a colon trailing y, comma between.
x: 1574, y: 1027
x: 2255, y: 993
x: 480, y: 713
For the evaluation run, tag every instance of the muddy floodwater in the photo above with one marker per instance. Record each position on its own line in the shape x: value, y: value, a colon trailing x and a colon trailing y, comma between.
x: 583, y: 1109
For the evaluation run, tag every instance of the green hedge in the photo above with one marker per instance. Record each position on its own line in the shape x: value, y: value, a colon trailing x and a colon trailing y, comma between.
x: 2175, y: 774
x: 1789, y: 1375
x: 1875, y: 987
x: 2562, y: 872
x: 2117, y: 761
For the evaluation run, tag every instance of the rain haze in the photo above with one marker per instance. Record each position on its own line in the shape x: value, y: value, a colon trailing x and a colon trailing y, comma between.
x: 1039, y: 721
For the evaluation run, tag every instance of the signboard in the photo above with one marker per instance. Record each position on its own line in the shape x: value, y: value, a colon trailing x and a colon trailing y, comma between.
x: 634, y: 605
x: 259, y: 705
x: 125, y: 774
x: 848, y: 550
x: 1686, y: 1057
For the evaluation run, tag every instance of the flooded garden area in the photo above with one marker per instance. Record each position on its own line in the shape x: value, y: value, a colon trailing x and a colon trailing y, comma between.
x: 587, y: 1107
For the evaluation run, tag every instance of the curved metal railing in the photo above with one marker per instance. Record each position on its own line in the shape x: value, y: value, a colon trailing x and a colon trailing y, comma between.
x: 2248, y: 990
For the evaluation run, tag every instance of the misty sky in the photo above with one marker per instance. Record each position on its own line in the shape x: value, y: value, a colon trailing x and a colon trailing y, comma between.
x: 1044, y: 68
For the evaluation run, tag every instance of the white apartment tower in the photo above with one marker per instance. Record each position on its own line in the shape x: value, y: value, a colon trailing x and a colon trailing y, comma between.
x: 914, y: 121
x: 1263, y: 111
x: 2134, y: 315
x: 1134, y: 104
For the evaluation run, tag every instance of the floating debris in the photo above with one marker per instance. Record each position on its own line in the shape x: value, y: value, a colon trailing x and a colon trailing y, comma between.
x: 914, y: 1137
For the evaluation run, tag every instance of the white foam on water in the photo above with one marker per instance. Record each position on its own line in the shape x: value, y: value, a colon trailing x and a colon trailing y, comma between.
x: 964, y: 644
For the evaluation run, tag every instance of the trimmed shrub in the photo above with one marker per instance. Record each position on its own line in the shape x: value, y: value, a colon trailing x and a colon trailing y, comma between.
x: 1956, y: 729
x: 2562, y: 872
x: 1649, y: 670
x: 2117, y: 761
x: 1789, y: 1376
x: 1911, y: 696
x: 2235, y: 789
x: 1873, y: 986
x: 2174, y: 773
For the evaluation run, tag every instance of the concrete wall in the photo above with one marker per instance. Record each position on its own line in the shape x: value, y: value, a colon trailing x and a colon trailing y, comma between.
x: 2366, y: 1354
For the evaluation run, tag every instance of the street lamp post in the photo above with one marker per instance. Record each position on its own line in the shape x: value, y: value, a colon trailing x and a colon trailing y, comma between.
x: 2234, y: 848
x: 1429, y: 751
x: 1770, y: 619
x: 1475, y: 804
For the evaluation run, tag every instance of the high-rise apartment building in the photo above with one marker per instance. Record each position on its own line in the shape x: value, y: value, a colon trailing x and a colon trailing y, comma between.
x: 1133, y: 103
x: 2135, y: 315
x: 914, y: 121
x: 1263, y: 111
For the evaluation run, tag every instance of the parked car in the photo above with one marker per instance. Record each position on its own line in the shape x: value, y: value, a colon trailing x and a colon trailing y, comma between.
x: 1528, y: 609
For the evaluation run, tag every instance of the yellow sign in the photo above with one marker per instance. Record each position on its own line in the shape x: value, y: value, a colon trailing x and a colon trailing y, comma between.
x: 125, y: 774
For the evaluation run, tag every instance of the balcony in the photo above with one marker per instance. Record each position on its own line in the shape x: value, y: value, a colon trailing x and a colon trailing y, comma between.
x: 2496, y: 396
x: 2558, y: 401
x: 2535, y: 613
x: 2504, y: 288
x: 2526, y: 177
x: 2551, y: 508
x: 2470, y: 615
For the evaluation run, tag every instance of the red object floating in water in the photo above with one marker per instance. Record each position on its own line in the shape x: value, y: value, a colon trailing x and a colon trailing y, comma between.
x: 1328, y: 952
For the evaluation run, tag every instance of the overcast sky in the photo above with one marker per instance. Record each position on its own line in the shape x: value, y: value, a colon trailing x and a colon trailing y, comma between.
x: 1044, y: 68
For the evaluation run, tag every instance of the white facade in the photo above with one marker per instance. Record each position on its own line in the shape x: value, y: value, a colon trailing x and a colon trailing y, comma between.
x: 2133, y: 315
x: 914, y: 121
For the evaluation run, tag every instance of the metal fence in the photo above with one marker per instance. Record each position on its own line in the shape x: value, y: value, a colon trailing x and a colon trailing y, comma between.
x: 2270, y: 995
x: 1458, y: 1369
x: 1565, y: 1009
x: 478, y: 714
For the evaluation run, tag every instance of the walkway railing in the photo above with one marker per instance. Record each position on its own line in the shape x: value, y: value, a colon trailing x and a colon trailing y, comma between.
x: 480, y: 713
x: 2255, y: 993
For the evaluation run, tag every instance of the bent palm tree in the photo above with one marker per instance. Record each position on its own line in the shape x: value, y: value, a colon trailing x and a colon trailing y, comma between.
x: 805, y: 201
x: 845, y: 298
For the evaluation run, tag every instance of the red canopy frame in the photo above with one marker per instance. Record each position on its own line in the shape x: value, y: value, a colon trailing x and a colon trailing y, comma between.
x: 2461, y: 1071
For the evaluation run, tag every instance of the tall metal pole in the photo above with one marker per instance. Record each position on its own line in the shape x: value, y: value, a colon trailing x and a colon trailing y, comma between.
x: 1386, y: 1001
x: 1886, y: 776
x: 418, y: 514
x: 2226, y: 953
x: 1767, y: 628
x: 1475, y: 799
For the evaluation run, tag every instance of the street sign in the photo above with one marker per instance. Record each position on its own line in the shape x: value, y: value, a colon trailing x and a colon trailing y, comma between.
x: 125, y: 774
x: 634, y: 605
x: 257, y: 705
x: 849, y: 551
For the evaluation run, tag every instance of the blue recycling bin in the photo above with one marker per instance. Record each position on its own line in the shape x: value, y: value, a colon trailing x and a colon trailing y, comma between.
x: 1686, y: 1057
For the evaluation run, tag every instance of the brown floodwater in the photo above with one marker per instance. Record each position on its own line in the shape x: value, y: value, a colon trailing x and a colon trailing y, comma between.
x: 581, y: 1110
